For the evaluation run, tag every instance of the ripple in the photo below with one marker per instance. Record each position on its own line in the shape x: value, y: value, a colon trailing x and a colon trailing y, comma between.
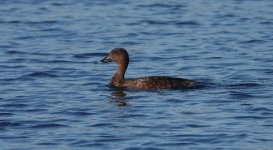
x: 176, y: 5
x: 252, y: 117
x: 102, y: 125
x: 11, y: 52
x: 108, y: 139
x: 12, y: 67
x: 197, y: 126
x: 36, y: 110
x: 62, y: 61
x: 243, y: 85
x: 6, y: 46
x: 86, y: 143
x: 59, y: 4
x: 6, y: 114
x: 130, y: 43
x: 14, y: 105
x: 88, y: 55
x: 16, y: 52
x: 11, y: 22
x: 236, y: 94
x: 40, y: 75
x: 49, y: 125
x: 181, y: 23
x: 45, y: 22
x: 48, y: 22
x: 9, y: 124
x: 261, y: 109
x: 187, y: 23
x: 156, y: 22
x: 252, y: 41
x: 143, y: 148
x: 266, y: 23
x: 48, y: 143
x: 81, y: 113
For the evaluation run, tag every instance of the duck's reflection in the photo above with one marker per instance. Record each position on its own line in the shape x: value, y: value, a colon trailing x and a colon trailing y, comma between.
x: 118, y: 96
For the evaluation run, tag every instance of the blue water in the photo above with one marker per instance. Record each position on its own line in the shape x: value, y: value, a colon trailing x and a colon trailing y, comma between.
x: 53, y: 95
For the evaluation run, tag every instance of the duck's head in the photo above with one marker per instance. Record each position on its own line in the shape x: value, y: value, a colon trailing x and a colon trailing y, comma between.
x: 118, y: 55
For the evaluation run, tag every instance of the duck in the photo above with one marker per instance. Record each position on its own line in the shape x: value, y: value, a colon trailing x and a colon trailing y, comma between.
x: 121, y: 57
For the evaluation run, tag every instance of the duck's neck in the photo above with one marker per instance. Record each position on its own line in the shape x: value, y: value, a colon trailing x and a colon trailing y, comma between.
x: 118, y: 77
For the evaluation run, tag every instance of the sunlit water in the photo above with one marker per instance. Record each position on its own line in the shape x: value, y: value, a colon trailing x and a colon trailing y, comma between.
x: 53, y: 95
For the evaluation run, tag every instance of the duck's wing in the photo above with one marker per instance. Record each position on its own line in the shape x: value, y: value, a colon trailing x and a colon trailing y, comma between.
x: 159, y: 82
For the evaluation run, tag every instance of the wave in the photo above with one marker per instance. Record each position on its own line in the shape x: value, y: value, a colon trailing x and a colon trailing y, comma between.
x: 88, y: 55
x: 40, y: 74
x: 31, y: 76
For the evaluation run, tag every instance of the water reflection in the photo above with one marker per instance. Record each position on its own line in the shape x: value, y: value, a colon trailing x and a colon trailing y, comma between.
x: 118, y: 97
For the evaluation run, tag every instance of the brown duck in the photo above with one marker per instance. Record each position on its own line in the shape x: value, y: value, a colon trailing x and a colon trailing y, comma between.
x: 121, y: 57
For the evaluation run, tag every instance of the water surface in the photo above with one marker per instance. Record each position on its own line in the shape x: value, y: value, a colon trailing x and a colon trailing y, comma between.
x: 53, y: 95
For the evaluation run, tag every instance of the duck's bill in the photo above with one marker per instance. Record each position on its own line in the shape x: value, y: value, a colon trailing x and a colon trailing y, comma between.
x: 105, y: 60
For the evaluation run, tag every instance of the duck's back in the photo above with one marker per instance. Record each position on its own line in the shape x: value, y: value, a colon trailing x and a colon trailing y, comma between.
x: 159, y: 82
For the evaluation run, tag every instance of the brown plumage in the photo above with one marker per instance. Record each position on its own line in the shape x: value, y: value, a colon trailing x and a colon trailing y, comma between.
x: 121, y: 57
